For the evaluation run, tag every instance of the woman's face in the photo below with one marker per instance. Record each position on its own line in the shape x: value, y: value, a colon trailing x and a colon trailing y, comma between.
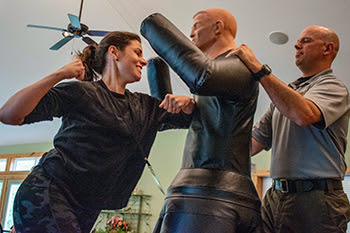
x: 130, y: 62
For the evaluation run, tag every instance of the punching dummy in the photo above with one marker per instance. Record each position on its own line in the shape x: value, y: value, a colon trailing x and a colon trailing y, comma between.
x: 213, y: 191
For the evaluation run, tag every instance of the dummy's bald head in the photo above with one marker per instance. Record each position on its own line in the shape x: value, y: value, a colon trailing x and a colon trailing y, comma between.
x: 218, y: 14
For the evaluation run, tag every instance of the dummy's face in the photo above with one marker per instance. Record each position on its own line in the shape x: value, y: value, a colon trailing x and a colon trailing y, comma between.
x: 309, y: 48
x: 130, y: 62
x: 202, y: 33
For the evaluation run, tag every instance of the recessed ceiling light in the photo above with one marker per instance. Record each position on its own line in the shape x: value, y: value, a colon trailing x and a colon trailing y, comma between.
x: 277, y: 37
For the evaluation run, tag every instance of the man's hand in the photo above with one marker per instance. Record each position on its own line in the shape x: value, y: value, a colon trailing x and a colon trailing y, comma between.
x: 247, y: 57
x: 177, y: 103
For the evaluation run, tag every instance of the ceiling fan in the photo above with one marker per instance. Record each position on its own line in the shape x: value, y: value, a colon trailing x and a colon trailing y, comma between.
x: 75, y: 29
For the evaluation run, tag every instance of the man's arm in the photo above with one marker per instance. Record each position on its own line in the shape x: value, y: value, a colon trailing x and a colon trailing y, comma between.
x: 256, y: 147
x: 290, y: 103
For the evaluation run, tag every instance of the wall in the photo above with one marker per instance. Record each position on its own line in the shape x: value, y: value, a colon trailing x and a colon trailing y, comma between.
x: 165, y: 158
x: 262, y: 160
x: 26, y: 148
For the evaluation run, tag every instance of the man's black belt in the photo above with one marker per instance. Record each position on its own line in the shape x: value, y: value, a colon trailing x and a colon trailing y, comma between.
x: 296, y: 186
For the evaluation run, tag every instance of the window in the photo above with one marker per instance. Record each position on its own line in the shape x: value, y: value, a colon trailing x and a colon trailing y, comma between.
x: 24, y: 164
x: 14, y: 168
x: 13, y: 186
x: 2, y: 165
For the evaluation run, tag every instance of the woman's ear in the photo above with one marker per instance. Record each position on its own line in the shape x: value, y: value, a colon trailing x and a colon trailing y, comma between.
x: 114, y: 52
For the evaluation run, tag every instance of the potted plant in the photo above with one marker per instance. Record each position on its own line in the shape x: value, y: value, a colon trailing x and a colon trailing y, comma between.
x: 116, y: 225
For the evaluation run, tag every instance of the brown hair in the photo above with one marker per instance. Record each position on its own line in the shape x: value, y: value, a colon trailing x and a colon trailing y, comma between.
x: 93, y: 56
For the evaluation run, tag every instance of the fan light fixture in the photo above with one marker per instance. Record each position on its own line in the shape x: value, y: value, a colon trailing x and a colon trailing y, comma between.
x: 65, y: 34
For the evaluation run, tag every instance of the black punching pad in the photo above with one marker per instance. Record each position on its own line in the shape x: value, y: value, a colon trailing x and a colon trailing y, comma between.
x: 220, y: 77
x: 158, y: 77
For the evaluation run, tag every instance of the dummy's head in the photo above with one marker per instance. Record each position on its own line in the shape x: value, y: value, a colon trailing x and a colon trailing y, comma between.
x: 316, y: 46
x: 212, y: 24
x: 94, y: 58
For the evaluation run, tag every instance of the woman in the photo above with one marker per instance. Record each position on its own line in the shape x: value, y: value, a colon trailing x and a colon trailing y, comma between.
x: 100, y: 149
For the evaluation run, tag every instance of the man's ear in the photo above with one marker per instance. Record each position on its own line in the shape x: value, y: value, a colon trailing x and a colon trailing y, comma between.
x: 329, y: 48
x: 219, y: 27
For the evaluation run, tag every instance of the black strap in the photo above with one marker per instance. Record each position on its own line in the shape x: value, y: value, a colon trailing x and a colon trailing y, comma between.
x: 138, y: 143
x: 296, y: 186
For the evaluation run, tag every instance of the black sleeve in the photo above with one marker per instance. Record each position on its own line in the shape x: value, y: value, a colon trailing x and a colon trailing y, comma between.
x: 164, y: 120
x: 176, y: 121
x: 56, y: 103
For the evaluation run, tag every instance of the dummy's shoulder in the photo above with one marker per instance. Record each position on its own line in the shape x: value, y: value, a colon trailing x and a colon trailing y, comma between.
x: 235, y: 60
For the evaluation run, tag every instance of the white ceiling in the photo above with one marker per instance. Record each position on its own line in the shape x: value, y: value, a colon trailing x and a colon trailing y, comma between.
x: 25, y: 55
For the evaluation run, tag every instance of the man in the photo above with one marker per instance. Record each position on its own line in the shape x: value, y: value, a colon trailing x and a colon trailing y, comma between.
x: 306, y: 127
x: 213, y: 191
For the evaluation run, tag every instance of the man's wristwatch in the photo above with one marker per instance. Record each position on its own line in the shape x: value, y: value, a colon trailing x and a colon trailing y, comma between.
x: 261, y: 73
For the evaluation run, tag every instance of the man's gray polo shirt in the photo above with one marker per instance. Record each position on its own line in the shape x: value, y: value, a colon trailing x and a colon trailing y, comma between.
x: 314, y: 151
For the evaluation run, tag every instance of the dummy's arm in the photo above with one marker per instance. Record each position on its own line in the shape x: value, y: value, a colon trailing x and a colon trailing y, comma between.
x: 158, y: 77
x: 160, y: 86
x: 223, y: 77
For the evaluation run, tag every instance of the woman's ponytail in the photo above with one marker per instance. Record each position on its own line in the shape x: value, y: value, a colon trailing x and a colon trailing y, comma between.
x: 88, y: 57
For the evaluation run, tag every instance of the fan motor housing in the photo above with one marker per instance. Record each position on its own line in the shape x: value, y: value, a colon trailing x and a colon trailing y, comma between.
x: 78, y: 32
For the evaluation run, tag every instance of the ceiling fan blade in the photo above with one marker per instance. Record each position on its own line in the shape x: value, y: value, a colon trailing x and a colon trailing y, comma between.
x: 74, y: 20
x: 97, y: 33
x: 45, y: 27
x: 88, y: 40
x: 62, y: 42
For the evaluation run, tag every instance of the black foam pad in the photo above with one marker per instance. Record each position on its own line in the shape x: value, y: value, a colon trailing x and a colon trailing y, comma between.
x: 158, y: 77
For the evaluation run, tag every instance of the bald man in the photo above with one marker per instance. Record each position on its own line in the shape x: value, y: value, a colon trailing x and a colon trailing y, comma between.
x: 306, y: 126
x: 213, y: 191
